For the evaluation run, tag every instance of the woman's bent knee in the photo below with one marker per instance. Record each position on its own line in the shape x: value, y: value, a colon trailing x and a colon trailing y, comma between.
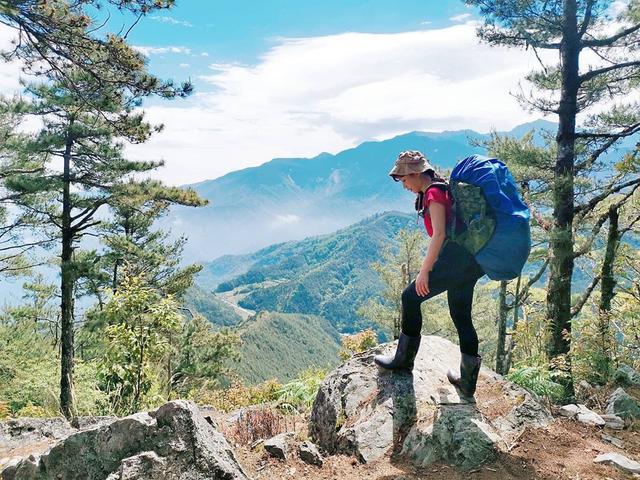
x: 409, y: 295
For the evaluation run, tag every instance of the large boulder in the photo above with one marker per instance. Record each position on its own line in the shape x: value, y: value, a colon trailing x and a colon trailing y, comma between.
x: 623, y: 405
x: 173, y: 443
x: 369, y: 412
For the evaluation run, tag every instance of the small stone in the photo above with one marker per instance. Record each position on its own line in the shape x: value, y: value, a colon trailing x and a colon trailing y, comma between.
x: 619, y: 461
x: 309, y: 453
x: 570, y: 410
x: 582, y: 414
x: 613, y: 421
x: 591, y: 418
x: 612, y: 440
x: 277, y: 446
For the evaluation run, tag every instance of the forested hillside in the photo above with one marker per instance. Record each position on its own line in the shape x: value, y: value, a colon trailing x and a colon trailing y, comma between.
x: 329, y: 276
x: 280, y: 346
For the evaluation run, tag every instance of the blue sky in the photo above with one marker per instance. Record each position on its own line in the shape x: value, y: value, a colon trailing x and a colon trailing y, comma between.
x: 242, y: 31
x: 278, y: 78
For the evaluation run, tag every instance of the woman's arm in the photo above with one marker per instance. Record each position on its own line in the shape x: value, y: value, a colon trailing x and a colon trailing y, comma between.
x: 438, y: 222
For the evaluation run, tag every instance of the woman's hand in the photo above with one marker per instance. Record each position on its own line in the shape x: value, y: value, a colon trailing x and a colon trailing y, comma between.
x: 422, y: 283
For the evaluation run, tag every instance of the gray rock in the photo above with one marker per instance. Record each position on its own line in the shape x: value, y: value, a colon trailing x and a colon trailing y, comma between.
x: 278, y: 446
x: 571, y: 410
x: 625, y: 375
x: 619, y: 461
x: 612, y: 440
x: 582, y: 414
x: 174, y: 443
x: 622, y: 404
x: 84, y: 423
x: 368, y: 412
x: 20, y: 430
x: 613, y: 421
x: 309, y: 453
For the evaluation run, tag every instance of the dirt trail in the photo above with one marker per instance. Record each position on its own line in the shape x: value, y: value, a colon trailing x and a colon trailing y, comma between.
x: 563, y: 451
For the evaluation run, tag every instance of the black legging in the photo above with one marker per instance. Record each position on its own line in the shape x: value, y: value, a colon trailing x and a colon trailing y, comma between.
x: 456, y: 272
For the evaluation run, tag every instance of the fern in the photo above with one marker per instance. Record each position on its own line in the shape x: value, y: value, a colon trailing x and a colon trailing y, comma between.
x: 539, y: 380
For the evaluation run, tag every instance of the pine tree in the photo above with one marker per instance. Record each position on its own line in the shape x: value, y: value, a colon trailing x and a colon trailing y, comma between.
x: 86, y: 138
x: 572, y: 28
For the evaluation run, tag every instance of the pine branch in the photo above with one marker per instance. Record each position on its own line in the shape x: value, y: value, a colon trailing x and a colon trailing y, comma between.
x: 586, y: 247
x: 582, y: 210
x: 600, y: 71
x: 609, y: 41
x: 626, y: 132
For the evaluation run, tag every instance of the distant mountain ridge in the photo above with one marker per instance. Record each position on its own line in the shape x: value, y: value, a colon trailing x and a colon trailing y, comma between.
x: 293, y: 198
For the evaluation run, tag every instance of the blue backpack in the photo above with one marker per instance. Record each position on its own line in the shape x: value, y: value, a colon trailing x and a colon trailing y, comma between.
x: 505, y: 248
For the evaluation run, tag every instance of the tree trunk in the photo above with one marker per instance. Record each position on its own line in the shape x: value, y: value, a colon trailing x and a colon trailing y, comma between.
x: 511, y: 344
x: 561, y: 241
x: 608, y: 281
x: 607, y: 293
x: 67, y: 399
x: 501, y: 353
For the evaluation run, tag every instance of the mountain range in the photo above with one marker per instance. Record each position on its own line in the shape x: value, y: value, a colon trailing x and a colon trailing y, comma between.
x: 294, y: 198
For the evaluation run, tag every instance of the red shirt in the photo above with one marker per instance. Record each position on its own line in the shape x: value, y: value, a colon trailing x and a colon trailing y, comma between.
x: 434, y: 194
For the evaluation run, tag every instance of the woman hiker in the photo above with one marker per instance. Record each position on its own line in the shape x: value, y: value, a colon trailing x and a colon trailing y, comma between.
x: 446, y: 267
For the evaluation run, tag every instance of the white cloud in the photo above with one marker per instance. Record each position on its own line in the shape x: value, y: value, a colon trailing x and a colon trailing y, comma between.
x: 310, y: 95
x: 160, y: 50
x: 9, y: 71
x: 461, y: 18
x: 204, y: 54
x: 171, y: 21
x: 184, y: 65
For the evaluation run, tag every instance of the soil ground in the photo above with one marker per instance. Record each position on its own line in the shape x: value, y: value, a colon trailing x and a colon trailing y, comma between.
x: 563, y: 451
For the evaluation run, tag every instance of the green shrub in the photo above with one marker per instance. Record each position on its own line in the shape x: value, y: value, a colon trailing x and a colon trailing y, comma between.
x: 36, y: 411
x: 357, y: 343
x: 298, y: 396
x: 539, y: 380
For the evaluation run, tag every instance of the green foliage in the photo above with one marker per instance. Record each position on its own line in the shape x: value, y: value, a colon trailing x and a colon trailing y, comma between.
x: 209, y: 306
x: 237, y: 395
x: 35, y: 411
x: 277, y: 345
x: 401, y: 262
x: 539, y: 380
x: 298, y: 395
x: 202, y: 356
x: 140, y: 323
x: 357, y: 343
x: 29, y: 367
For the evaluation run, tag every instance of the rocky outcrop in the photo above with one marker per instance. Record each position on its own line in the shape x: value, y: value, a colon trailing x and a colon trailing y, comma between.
x: 623, y: 405
x: 371, y: 413
x: 173, y: 443
x: 21, y: 437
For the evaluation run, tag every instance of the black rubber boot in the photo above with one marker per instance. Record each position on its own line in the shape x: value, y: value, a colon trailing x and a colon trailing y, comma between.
x: 465, y: 382
x: 404, y: 356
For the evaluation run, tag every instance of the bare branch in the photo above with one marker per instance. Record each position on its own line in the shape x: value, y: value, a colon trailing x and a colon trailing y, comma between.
x: 575, y: 310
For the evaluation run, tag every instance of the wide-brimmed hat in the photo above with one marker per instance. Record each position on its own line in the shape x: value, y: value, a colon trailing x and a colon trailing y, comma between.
x: 409, y: 162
